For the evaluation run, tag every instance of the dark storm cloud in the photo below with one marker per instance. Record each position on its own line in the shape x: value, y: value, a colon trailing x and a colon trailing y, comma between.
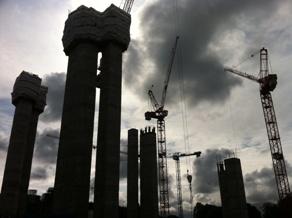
x: 205, y: 180
x: 47, y: 147
x: 39, y: 173
x: 200, y: 23
x: 56, y: 84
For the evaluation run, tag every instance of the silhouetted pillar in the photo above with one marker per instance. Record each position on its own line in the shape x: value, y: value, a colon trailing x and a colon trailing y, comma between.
x: 29, y: 98
x: 115, y: 42
x: 148, y: 173
x: 232, y: 189
x: 132, y: 174
x: 109, y: 125
x: 87, y: 32
x: 74, y: 155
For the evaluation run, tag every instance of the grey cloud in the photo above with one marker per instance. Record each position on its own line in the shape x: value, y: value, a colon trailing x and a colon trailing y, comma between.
x: 205, y: 177
x: 55, y: 96
x: 260, y: 186
x: 47, y: 147
x: 39, y: 173
x: 200, y: 24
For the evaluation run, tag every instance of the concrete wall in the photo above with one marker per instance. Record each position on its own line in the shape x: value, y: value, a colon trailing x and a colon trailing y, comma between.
x: 148, y: 173
x: 132, y: 174
x: 232, y: 189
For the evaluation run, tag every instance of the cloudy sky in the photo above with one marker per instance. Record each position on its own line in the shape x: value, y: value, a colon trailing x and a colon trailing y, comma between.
x: 209, y: 110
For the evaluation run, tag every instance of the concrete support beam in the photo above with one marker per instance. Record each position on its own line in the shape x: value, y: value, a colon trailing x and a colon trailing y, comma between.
x: 232, y: 189
x: 74, y: 155
x: 148, y: 173
x: 106, y: 195
x: 132, y: 177
x: 29, y: 98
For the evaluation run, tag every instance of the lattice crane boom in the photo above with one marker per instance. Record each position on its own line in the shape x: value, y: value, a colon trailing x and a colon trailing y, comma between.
x: 163, y: 97
x: 160, y: 113
x: 267, y: 84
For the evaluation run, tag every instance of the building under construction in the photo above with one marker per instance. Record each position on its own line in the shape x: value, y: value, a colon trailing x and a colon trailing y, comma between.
x: 87, y: 34
x: 232, y: 188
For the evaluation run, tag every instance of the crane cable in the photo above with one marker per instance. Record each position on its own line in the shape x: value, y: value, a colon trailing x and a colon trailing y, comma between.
x: 181, y: 87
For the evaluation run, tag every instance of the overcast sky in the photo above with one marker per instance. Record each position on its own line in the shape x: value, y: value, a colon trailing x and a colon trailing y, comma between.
x: 209, y: 110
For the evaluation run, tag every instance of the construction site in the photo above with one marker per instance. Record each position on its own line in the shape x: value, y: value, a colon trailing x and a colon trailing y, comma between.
x: 162, y: 177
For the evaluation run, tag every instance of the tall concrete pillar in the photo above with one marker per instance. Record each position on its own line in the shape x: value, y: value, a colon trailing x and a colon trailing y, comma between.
x: 87, y: 32
x: 132, y: 177
x: 148, y: 173
x: 29, y: 98
x: 115, y: 42
x: 232, y: 189
x: 106, y: 195
x: 75, y: 148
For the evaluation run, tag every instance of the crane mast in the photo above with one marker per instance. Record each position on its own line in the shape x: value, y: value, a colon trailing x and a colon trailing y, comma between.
x: 128, y: 6
x: 176, y: 157
x: 267, y: 84
x: 272, y: 128
x: 159, y: 113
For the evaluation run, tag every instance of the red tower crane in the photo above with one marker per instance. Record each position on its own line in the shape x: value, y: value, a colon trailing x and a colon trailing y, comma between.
x: 267, y: 84
x: 160, y: 113
x: 176, y: 157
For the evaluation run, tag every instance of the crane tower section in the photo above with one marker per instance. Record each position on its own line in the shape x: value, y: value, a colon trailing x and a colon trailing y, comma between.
x: 160, y: 113
x: 268, y: 84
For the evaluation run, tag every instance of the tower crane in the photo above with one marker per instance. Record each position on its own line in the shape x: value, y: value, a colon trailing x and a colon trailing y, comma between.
x: 160, y: 113
x: 176, y: 157
x: 267, y: 83
x: 128, y: 6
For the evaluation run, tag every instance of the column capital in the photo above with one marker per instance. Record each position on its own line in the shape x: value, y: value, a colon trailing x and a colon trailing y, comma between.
x: 88, y: 24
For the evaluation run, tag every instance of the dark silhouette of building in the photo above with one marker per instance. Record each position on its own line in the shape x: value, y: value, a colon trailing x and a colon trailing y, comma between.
x: 29, y: 99
x: 132, y: 174
x: 88, y: 32
x: 232, y: 189
x: 207, y: 211
x: 148, y: 173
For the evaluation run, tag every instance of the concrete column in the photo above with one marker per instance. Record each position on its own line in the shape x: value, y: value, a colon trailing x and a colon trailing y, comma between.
x: 27, y: 94
x: 148, y: 173
x: 106, y: 194
x: 232, y: 189
x: 85, y: 31
x: 132, y: 177
x: 74, y: 155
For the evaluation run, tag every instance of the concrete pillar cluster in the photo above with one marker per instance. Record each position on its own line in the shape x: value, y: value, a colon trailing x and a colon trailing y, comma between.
x: 132, y: 174
x: 29, y: 99
x: 88, y: 32
x: 232, y: 189
x: 148, y: 173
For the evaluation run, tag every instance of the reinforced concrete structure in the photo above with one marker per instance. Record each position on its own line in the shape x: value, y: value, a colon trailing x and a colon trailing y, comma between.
x: 148, y: 173
x: 132, y: 177
x: 29, y: 99
x: 232, y: 189
x: 88, y: 32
